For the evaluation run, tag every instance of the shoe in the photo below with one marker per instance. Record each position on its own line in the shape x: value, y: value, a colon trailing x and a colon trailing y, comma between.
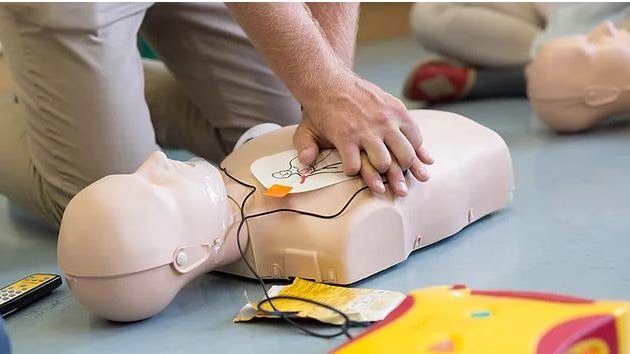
x: 438, y: 81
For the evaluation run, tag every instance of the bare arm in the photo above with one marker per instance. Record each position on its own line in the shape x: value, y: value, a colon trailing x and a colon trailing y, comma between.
x: 339, y: 24
x: 291, y: 41
x: 340, y: 109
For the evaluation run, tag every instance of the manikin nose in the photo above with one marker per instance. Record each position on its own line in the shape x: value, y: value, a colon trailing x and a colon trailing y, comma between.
x: 606, y: 29
x: 157, y: 160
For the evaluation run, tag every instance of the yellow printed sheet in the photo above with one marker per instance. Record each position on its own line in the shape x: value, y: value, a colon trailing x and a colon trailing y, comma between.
x: 361, y: 305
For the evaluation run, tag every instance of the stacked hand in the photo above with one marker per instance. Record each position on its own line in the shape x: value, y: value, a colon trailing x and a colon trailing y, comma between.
x: 371, y: 129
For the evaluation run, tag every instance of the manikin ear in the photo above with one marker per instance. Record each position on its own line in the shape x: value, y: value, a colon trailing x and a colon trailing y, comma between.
x: 595, y: 96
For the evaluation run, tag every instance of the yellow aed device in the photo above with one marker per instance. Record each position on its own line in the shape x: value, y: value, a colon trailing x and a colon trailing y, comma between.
x: 458, y: 320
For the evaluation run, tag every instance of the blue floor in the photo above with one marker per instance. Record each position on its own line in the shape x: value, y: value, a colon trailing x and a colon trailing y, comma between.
x: 566, y: 231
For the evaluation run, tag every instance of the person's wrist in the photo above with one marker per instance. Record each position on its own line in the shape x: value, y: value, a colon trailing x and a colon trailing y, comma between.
x: 327, y: 83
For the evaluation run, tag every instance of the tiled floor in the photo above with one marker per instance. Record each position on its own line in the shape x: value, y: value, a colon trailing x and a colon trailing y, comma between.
x: 566, y: 231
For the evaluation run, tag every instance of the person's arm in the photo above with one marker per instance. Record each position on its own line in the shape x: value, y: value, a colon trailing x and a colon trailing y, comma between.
x: 292, y: 44
x: 339, y: 108
x: 339, y: 24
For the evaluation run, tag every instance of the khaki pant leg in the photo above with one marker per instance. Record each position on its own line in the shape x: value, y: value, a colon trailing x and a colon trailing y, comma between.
x: 18, y: 178
x: 222, y: 74
x: 178, y: 122
x: 80, y: 87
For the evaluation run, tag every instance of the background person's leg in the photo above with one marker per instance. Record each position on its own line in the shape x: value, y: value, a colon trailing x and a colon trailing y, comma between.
x: 82, y: 112
x: 485, y: 45
x: 222, y: 74
x: 441, y: 80
x: 477, y: 34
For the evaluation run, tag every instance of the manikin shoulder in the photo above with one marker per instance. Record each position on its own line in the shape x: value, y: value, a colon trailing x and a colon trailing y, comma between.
x: 239, y: 161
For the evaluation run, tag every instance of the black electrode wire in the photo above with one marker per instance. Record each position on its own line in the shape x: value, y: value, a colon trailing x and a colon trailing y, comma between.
x: 285, y: 315
x: 269, y: 299
x: 296, y: 298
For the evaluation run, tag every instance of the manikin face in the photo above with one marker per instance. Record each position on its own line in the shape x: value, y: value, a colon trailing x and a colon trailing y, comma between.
x: 605, y: 37
x: 146, y: 218
x: 566, y: 66
x: 195, y: 184
x: 574, y: 80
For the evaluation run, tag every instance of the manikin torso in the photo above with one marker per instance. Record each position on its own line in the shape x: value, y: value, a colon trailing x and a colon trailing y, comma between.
x: 576, y: 81
x: 129, y: 238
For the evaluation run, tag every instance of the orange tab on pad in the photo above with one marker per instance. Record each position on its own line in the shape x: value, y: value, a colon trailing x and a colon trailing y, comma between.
x: 277, y: 191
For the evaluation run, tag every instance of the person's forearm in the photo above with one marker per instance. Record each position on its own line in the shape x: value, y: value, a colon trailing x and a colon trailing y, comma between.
x: 339, y: 23
x: 339, y: 109
x: 293, y: 45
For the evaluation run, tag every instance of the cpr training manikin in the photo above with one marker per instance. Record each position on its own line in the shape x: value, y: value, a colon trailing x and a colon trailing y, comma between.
x: 128, y: 243
x: 576, y: 81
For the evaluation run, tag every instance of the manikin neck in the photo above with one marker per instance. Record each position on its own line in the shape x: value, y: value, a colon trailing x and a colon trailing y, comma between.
x: 236, y: 193
x: 229, y: 249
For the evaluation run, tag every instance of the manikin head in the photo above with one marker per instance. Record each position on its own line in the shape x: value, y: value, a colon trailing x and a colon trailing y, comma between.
x: 142, y: 236
x: 575, y: 81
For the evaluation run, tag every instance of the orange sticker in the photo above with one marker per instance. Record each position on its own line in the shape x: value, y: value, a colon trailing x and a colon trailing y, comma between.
x: 278, y: 191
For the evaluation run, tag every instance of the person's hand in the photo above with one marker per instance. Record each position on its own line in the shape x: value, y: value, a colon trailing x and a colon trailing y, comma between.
x: 395, y: 175
x: 354, y: 115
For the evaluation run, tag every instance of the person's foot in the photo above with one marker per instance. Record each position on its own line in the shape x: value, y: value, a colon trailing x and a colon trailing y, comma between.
x: 438, y: 81
x: 256, y: 131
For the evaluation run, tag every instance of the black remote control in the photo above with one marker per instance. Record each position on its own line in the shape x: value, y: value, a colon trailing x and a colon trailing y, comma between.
x: 26, y: 290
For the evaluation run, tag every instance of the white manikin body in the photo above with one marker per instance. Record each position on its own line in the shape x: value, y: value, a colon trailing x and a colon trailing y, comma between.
x: 129, y: 243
